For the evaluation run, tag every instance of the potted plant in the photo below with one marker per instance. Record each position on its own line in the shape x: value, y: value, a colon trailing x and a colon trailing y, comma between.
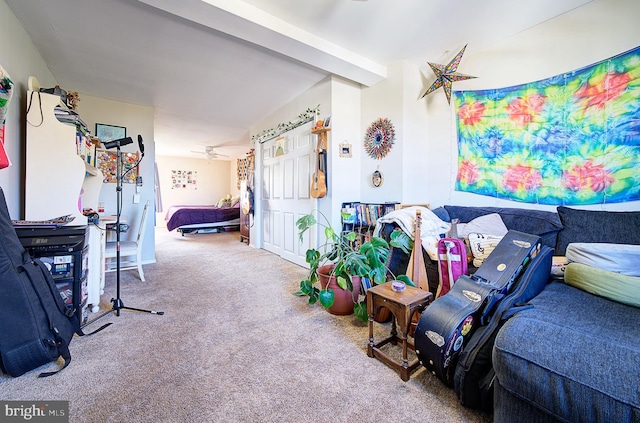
x: 337, y: 267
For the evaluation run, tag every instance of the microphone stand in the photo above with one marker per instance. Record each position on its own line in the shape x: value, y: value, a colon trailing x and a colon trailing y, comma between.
x: 117, y: 302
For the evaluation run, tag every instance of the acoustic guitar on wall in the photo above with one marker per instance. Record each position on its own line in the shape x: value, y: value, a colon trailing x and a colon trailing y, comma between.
x: 318, y: 180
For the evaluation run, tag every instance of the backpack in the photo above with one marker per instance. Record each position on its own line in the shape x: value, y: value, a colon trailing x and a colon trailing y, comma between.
x: 452, y: 263
x: 36, y: 327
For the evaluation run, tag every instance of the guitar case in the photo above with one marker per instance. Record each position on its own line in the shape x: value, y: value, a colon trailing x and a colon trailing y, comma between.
x: 474, y: 375
x: 450, y: 320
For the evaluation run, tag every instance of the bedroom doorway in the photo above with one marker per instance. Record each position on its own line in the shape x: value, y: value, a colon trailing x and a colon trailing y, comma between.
x: 286, y: 171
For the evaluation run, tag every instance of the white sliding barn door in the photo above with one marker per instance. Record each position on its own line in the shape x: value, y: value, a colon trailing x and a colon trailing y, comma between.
x: 285, y: 194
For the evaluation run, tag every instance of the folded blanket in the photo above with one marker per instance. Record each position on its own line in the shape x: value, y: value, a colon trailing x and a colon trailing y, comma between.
x: 620, y: 258
x: 432, y: 227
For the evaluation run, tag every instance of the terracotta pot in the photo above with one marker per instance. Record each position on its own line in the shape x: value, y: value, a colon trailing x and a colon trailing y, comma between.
x: 344, y: 299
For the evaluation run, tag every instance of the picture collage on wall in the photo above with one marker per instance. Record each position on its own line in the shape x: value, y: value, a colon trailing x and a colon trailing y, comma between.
x: 184, y: 179
x: 107, y: 162
x: 245, y: 169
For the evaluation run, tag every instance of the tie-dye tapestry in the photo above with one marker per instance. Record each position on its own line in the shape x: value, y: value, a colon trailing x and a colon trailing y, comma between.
x: 570, y: 139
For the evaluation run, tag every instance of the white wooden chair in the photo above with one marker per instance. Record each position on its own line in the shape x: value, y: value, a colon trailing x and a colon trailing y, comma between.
x: 130, y: 251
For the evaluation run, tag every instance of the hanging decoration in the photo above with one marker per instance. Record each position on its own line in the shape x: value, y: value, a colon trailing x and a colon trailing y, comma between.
x: 6, y: 92
x: 377, y: 178
x: 245, y: 169
x: 304, y: 117
x: 447, y: 75
x: 571, y: 139
x: 379, y: 138
x: 345, y: 149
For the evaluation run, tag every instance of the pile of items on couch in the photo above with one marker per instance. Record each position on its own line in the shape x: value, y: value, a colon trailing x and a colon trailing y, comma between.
x: 573, y: 356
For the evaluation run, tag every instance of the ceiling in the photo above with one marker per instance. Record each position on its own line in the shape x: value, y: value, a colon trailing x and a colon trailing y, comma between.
x: 212, y: 69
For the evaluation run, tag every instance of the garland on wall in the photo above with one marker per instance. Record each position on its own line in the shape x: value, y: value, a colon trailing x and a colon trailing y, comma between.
x: 570, y: 139
x: 304, y: 117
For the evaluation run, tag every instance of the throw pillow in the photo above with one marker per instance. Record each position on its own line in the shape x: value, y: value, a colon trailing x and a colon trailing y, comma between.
x: 604, y: 283
x: 597, y: 226
x: 481, y: 246
x: 490, y: 224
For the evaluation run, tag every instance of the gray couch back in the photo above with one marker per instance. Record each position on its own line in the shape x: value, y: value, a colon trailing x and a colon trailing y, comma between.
x: 559, y: 229
x: 545, y: 224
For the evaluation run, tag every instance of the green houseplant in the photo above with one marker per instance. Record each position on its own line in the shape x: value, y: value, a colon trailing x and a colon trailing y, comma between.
x: 340, y: 261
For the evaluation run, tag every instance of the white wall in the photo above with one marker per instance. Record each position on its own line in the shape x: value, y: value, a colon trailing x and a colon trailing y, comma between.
x: 19, y: 57
x: 383, y: 100
x: 233, y: 175
x: 139, y: 121
x: 416, y: 188
x: 591, y: 33
x: 344, y: 183
x: 214, y: 182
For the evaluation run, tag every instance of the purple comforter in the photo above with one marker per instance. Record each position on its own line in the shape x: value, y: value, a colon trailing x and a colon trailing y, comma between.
x: 195, y: 215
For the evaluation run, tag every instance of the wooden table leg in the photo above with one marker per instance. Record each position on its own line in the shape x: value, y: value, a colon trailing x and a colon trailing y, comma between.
x: 405, y: 322
x: 394, y: 329
x: 370, y: 310
x: 371, y: 342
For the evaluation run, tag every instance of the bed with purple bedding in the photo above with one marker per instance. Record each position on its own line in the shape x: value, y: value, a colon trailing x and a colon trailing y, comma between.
x: 190, y: 218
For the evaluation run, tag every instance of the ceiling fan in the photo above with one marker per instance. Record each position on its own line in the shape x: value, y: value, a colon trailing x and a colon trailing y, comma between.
x: 209, y: 152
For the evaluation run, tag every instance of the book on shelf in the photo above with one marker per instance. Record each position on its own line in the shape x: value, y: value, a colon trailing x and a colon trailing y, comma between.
x: 348, y: 214
x: 365, y: 214
x: 361, y: 218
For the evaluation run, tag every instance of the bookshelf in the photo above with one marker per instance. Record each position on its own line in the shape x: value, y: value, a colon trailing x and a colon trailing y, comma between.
x: 361, y: 218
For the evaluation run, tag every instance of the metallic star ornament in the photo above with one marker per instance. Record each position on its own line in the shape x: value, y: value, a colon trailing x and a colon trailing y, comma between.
x: 447, y: 75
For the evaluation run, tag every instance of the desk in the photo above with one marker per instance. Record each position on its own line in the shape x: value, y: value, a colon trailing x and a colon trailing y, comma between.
x: 97, y: 262
x: 110, y: 220
x: 95, y: 277
x: 402, y: 306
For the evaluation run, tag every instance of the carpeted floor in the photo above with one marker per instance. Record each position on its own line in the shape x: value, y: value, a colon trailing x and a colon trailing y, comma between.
x: 234, y: 345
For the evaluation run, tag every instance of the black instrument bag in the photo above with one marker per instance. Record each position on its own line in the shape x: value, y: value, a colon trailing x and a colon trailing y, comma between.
x: 36, y: 326
x: 474, y: 375
x: 447, y: 324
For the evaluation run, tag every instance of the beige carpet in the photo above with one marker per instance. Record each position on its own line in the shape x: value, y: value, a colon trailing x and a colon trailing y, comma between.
x: 234, y: 345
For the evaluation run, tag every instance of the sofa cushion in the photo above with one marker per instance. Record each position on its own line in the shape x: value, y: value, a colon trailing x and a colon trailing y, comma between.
x: 574, y: 355
x: 597, y: 226
x: 605, y: 283
x: 545, y: 224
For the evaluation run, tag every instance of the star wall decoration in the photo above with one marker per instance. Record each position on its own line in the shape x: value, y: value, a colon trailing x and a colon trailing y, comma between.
x: 447, y: 75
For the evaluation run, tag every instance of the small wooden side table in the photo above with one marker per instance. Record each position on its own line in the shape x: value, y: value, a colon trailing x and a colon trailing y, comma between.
x: 402, y: 306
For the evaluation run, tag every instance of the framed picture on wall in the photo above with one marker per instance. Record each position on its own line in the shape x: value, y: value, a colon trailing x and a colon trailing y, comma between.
x: 110, y: 132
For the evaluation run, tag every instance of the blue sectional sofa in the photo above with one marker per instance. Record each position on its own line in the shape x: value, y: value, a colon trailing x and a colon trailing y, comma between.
x: 573, y: 356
